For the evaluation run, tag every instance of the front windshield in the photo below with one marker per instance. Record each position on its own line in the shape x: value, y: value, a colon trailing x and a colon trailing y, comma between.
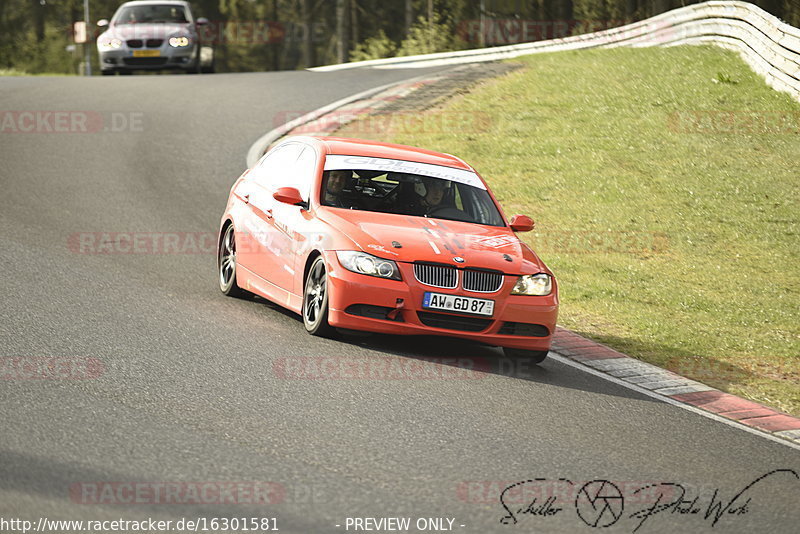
x: 408, y: 194
x: 151, y: 13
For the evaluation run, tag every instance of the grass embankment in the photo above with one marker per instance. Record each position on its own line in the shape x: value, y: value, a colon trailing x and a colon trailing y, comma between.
x: 665, y: 186
x: 14, y: 72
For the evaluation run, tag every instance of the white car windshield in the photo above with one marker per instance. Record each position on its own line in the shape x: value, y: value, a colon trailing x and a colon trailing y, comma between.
x: 151, y: 14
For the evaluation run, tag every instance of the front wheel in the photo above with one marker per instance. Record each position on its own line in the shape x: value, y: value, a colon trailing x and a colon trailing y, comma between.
x: 226, y: 262
x: 315, y: 300
x: 534, y: 356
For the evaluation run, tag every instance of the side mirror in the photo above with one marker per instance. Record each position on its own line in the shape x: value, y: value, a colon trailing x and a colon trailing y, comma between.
x: 202, y: 21
x: 102, y: 23
x: 288, y: 195
x: 521, y: 223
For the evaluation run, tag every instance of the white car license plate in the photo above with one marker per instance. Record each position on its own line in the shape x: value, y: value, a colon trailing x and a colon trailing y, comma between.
x: 438, y: 301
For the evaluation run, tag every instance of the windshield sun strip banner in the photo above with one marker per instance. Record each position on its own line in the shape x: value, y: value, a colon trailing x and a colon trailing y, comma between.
x: 338, y: 162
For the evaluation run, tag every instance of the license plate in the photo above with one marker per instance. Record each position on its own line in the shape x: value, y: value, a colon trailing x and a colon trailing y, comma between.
x: 146, y: 53
x: 438, y: 301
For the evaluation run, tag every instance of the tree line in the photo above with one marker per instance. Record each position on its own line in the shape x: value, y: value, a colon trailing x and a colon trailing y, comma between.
x: 36, y: 36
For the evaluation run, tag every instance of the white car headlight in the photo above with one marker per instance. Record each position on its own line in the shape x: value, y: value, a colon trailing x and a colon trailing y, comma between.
x: 363, y: 263
x: 533, y: 284
x: 110, y: 43
x: 177, y: 42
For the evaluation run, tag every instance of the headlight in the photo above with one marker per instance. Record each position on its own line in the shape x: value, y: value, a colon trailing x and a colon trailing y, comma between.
x: 363, y: 263
x: 533, y: 284
x: 177, y: 42
x: 110, y: 43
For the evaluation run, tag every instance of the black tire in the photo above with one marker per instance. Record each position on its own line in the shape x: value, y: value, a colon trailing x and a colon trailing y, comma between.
x: 108, y: 72
x: 534, y: 356
x: 315, y: 300
x: 226, y: 264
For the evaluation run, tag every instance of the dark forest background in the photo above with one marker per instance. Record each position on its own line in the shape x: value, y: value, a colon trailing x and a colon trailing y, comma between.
x: 257, y: 35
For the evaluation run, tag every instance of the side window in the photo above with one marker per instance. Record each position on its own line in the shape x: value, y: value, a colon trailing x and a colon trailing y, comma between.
x: 273, y: 169
x: 302, y: 174
x: 307, y: 172
x: 479, y: 205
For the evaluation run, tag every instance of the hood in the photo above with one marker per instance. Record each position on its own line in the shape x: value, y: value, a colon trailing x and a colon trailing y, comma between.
x: 143, y: 30
x: 435, y: 240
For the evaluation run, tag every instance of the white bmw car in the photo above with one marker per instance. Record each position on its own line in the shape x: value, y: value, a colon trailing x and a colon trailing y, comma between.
x: 153, y: 35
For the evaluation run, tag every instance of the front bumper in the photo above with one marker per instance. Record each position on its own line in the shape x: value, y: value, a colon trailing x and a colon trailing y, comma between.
x: 169, y: 57
x: 361, y: 302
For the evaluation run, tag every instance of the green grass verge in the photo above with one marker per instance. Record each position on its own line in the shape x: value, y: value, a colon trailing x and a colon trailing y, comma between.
x: 665, y: 187
x: 14, y: 72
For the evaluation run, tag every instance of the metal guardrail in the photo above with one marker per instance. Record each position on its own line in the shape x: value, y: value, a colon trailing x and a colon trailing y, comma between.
x: 770, y: 46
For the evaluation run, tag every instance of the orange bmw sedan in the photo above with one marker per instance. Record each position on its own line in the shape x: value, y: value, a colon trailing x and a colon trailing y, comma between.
x: 360, y: 235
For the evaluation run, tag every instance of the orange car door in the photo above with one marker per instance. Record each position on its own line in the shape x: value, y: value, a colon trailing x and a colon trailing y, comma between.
x: 291, y: 222
x: 267, y: 253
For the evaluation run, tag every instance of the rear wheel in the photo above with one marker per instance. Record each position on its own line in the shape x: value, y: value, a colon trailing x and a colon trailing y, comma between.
x: 226, y: 262
x: 534, y: 356
x: 315, y: 300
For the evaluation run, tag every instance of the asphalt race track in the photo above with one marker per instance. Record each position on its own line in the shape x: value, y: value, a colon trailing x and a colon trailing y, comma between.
x: 187, y: 388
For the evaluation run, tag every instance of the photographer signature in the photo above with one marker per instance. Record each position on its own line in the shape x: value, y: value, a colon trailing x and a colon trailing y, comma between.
x: 600, y: 503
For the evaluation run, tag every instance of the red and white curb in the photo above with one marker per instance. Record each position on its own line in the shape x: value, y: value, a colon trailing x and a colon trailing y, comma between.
x: 663, y: 383
x: 569, y: 347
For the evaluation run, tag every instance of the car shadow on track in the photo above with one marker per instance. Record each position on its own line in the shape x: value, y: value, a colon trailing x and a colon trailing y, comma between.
x: 105, y: 492
x: 463, y: 355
